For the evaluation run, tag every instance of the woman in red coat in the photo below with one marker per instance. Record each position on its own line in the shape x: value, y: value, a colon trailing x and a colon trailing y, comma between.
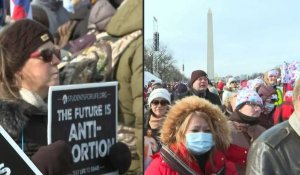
x: 195, y: 138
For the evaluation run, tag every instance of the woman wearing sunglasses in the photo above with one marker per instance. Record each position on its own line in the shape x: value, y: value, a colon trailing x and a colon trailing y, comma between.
x: 28, y: 61
x: 230, y: 89
x: 195, y: 138
x: 158, y: 101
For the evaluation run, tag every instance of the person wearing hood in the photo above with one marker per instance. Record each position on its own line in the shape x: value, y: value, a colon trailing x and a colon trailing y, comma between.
x: 57, y: 14
x: 128, y: 21
x: 181, y: 91
x: 255, y: 83
x: 230, y: 88
x: 276, y: 151
x: 269, y: 96
x: 195, y: 138
x: 244, y: 123
x: 199, y: 87
x: 270, y: 79
x: 29, y: 62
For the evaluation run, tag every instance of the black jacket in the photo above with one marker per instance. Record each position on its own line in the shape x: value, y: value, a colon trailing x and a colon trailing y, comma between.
x: 213, y: 98
x: 17, y: 117
x: 276, y: 151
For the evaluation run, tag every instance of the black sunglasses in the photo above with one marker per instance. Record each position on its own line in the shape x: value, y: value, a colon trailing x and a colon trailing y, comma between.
x: 46, y: 54
x: 161, y: 102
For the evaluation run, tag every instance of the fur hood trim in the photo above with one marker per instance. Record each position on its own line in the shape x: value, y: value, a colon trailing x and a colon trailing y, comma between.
x: 12, y: 117
x: 182, y: 108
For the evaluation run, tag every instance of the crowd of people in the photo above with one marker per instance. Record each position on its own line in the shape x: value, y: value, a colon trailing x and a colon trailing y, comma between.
x: 66, y: 42
x: 230, y: 127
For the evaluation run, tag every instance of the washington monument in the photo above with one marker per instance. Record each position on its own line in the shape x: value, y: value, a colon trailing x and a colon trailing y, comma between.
x: 210, y: 46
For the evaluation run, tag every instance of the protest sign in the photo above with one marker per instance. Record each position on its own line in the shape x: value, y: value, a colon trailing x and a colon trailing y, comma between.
x: 85, y: 116
x: 12, y: 159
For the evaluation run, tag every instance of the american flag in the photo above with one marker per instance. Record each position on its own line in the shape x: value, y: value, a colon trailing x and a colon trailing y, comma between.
x: 20, y: 9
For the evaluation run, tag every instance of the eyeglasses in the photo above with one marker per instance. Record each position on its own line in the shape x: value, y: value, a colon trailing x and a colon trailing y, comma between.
x: 233, y: 82
x: 202, y: 78
x: 254, y: 105
x: 46, y: 54
x: 161, y: 102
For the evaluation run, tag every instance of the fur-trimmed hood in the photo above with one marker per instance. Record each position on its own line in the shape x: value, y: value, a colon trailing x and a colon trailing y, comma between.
x: 15, y: 114
x: 12, y: 117
x: 230, y: 89
x: 182, y: 108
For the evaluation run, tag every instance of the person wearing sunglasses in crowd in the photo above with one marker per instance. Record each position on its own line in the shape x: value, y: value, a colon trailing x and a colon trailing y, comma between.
x: 244, y: 123
x: 28, y: 61
x: 195, y: 138
x: 230, y: 89
x: 276, y: 151
x: 158, y: 101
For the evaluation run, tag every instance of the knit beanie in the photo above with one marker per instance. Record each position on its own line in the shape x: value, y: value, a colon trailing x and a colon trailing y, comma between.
x: 273, y: 72
x: 156, y: 85
x: 253, y: 84
x: 195, y: 75
x: 266, y: 91
x: 231, y: 79
x: 181, y: 88
x: 247, y: 95
x: 23, y: 37
x: 159, y: 93
x: 40, y: 15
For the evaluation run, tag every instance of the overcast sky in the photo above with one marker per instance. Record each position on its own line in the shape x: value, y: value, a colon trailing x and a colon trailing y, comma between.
x: 249, y: 36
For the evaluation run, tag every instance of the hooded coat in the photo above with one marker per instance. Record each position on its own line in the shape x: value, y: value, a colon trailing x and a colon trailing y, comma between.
x: 57, y: 14
x: 228, y: 92
x: 221, y: 135
x: 242, y: 137
x: 19, y: 115
x: 213, y: 98
x: 24, y: 121
x: 129, y: 68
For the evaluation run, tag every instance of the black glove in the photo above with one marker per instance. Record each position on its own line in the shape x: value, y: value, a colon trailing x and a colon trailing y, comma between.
x: 119, y: 157
x: 53, y: 159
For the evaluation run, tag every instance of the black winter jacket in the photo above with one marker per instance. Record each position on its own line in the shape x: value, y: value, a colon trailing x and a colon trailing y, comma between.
x: 17, y: 117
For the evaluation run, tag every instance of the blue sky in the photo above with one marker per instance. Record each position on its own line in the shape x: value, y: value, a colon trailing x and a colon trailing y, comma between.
x: 249, y: 36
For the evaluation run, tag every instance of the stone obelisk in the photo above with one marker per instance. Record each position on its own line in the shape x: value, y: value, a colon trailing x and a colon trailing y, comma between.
x: 210, y: 46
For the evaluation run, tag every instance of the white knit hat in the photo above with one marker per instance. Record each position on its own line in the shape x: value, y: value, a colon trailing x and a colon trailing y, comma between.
x: 160, y: 92
x: 231, y: 79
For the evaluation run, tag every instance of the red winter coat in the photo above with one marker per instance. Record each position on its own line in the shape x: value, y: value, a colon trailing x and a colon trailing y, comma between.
x: 159, y: 167
x: 283, y: 112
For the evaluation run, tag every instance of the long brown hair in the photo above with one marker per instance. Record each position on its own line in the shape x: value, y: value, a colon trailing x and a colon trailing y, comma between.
x: 8, y: 80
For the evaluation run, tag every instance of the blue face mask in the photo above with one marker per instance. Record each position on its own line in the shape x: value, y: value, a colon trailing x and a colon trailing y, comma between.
x: 269, y: 107
x: 199, y: 142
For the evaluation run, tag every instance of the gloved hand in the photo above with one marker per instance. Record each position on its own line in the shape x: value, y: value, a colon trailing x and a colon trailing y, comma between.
x: 119, y: 157
x: 53, y: 159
